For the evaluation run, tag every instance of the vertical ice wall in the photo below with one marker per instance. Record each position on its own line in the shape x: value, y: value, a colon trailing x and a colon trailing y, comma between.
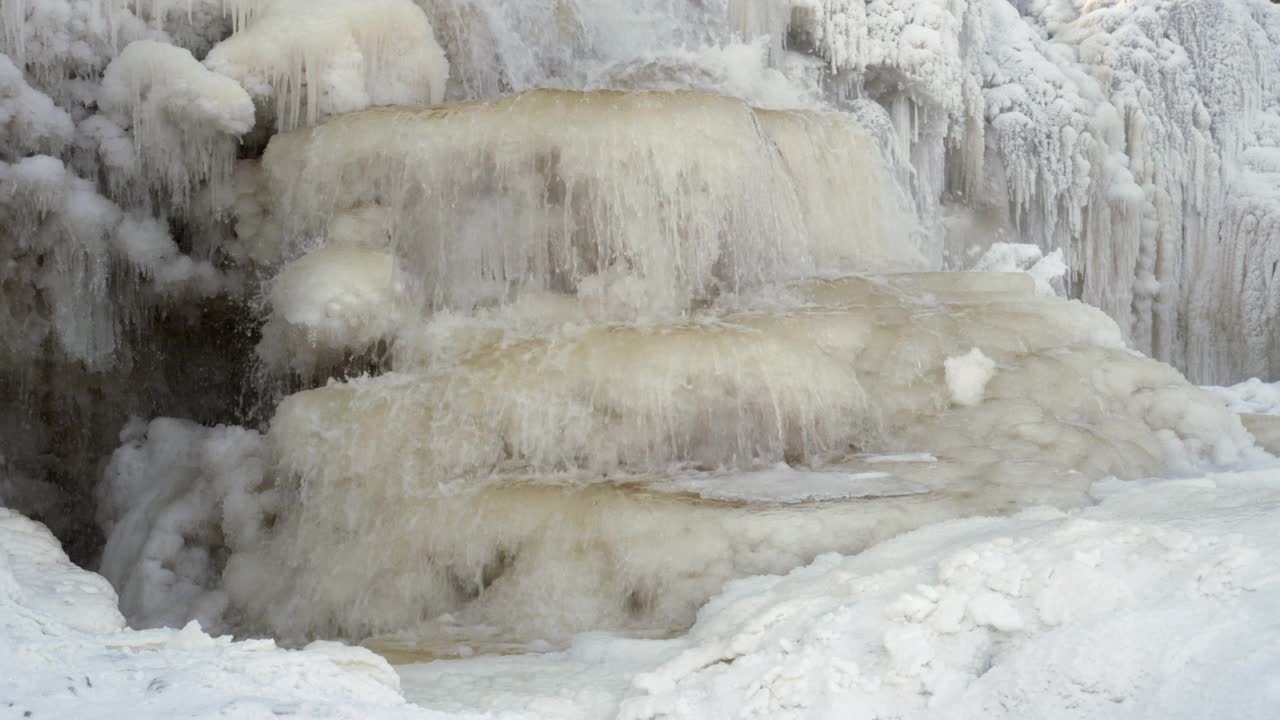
x: 1129, y: 134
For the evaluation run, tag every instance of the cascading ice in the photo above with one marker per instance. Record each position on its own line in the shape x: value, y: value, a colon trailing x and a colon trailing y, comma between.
x: 655, y: 202
x: 512, y: 482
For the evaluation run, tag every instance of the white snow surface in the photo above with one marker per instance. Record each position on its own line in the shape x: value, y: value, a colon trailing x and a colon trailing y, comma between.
x: 65, y: 653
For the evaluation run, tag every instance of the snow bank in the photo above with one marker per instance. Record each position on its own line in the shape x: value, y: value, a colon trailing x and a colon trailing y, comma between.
x: 304, y: 60
x: 1155, y: 603
x: 67, y: 654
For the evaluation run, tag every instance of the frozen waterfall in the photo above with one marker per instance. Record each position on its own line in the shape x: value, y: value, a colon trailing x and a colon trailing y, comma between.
x: 421, y: 322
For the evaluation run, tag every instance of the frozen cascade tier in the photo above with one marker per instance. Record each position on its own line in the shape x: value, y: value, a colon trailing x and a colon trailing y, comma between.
x: 570, y: 361
x: 505, y: 486
x: 653, y: 204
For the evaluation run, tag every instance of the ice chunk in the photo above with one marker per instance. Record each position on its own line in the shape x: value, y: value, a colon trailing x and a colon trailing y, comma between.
x: 787, y: 485
x: 968, y: 375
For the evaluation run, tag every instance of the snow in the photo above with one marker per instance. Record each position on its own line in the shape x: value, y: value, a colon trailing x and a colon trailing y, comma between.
x: 1154, y: 600
x: 304, y: 60
x: 1152, y: 603
x: 184, y: 119
x: 968, y: 375
x: 68, y: 654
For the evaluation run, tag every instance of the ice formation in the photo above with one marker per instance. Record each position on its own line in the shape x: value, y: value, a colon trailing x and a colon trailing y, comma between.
x: 303, y: 60
x: 968, y: 375
x: 574, y: 348
x: 184, y: 119
x: 174, y: 496
x: 500, y: 486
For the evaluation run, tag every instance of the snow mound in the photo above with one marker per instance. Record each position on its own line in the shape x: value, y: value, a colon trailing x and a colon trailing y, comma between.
x: 67, y: 654
x: 1153, y: 604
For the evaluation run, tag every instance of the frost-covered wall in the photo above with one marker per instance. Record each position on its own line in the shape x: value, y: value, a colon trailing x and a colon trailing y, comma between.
x: 197, y: 219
